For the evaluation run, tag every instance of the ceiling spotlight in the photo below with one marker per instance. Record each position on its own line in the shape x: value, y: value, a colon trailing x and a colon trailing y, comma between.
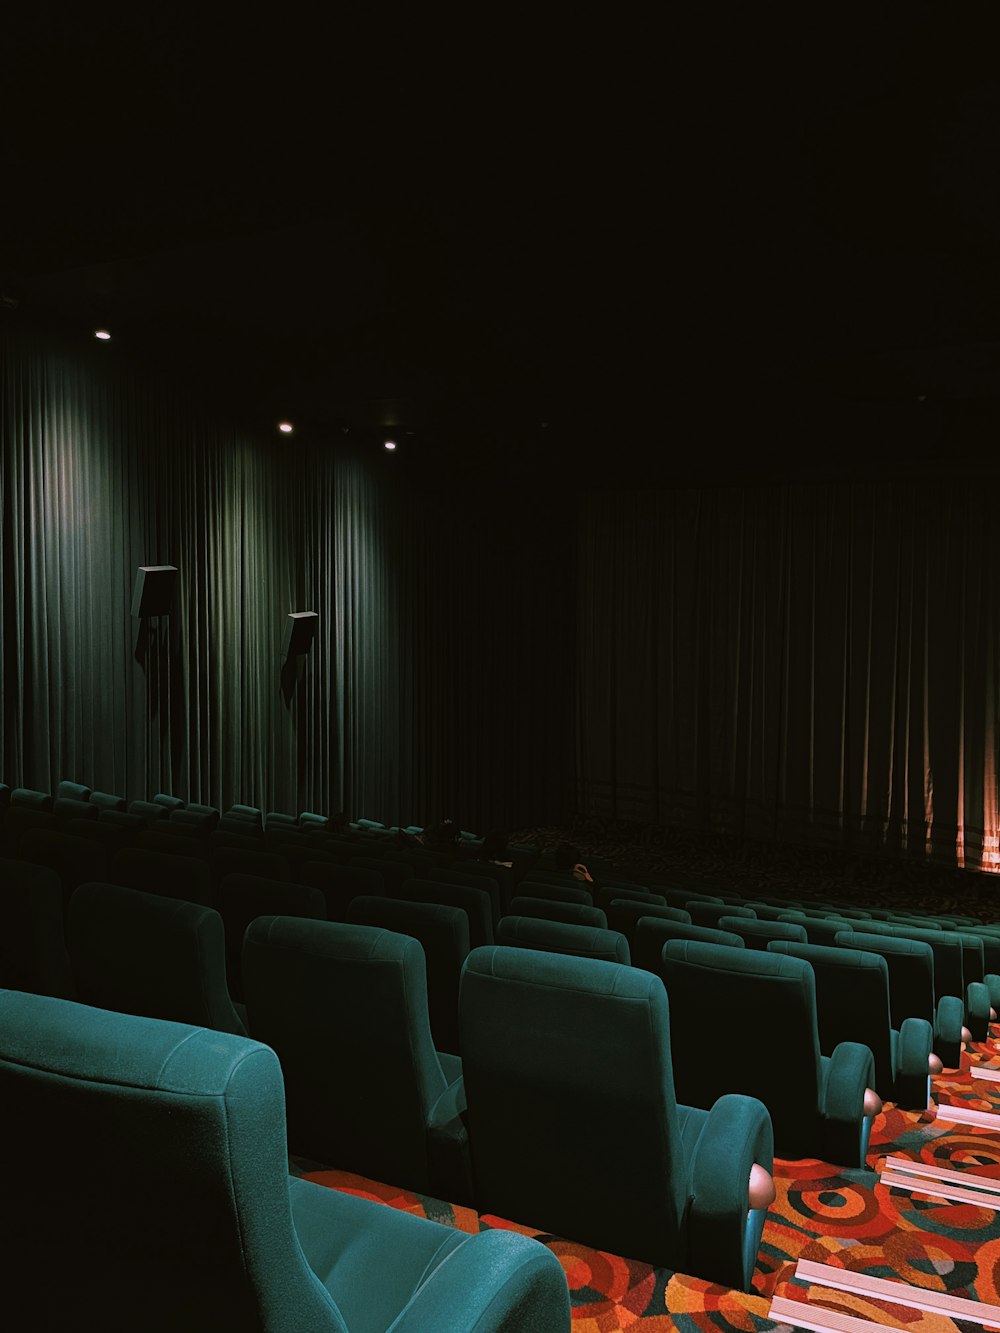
x: 390, y: 444
x: 103, y: 334
x: 285, y: 427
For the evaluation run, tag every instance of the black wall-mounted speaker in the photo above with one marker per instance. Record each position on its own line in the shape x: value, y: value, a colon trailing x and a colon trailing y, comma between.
x: 154, y: 590
x: 300, y: 628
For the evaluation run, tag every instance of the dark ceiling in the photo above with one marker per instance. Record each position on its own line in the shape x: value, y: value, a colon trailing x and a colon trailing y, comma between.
x: 739, y: 242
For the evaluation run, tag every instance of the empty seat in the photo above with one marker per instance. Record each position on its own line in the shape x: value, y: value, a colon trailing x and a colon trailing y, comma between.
x: 576, y: 913
x: 240, y: 899
x: 758, y: 934
x: 65, y: 808
x: 532, y: 932
x: 820, y: 1106
x: 225, y: 861
x: 709, y: 914
x: 609, y: 893
x: 33, y: 953
x: 181, y: 1209
x: 107, y: 800
x: 183, y: 877
x: 17, y: 820
x: 148, y: 810
x: 394, y: 873
x: 594, y: 1146
x: 139, y: 953
x: 680, y: 897
x: 339, y: 884
x: 949, y: 971
x: 476, y: 903
x: 443, y: 933
x: 852, y: 1000
x: 556, y: 893
x: 911, y: 989
x: 28, y: 798
x: 171, y: 802
x: 204, y: 820
x: 73, y: 859
x: 345, y: 1007
x: 652, y: 933
x: 625, y: 914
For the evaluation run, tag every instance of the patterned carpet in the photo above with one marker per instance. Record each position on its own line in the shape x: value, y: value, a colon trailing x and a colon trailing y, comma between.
x: 844, y: 1219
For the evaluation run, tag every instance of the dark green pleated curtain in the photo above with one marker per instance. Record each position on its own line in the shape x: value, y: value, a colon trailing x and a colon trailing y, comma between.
x: 425, y: 693
x: 813, y: 662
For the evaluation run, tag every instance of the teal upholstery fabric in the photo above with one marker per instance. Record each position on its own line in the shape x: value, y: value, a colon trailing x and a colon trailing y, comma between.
x: 679, y: 897
x: 225, y: 861
x: 184, y: 877
x: 66, y: 808
x: 345, y: 1007
x: 852, y: 999
x: 241, y: 898
x: 625, y: 914
x: 946, y: 947
x: 652, y: 933
x: 476, y: 903
x: 443, y: 933
x: 75, y: 791
x: 250, y: 814
x: 573, y: 1122
x: 138, y: 953
x: 708, y: 914
x: 33, y: 954
x: 609, y: 893
x: 205, y: 819
x: 394, y: 873
x: 578, y: 914
x: 148, y: 810
x: 530, y: 932
x: 911, y: 988
x: 759, y: 934
x: 820, y: 930
x: 171, y: 802
x: 110, y: 836
x: 556, y: 893
x: 109, y: 801
x: 339, y: 884
x: 816, y: 1103
x: 31, y: 799
x: 73, y: 859
x: 207, y: 1232
x: 499, y: 884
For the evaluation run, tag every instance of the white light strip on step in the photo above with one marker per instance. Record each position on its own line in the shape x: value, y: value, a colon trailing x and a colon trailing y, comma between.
x: 964, y: 1178
x: 984, y: 1071
x: 958, y: 1115
x: 899, y: 1293
x: 938, y: 1190
x: 817, y: 1320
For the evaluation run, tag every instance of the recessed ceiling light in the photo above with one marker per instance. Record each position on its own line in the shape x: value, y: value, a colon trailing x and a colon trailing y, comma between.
x: 285, y: 427
x: 103, y: 334
x: 390, y: 444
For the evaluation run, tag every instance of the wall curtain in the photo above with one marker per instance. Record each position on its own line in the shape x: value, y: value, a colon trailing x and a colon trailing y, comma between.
x: 423, y: 695
x: 815, y: 662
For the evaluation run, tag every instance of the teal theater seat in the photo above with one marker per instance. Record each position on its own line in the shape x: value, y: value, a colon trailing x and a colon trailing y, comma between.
x: 759, y: 934
x: 556, y: 893
x: 339, y: 884
x: 709, y: 914
x: 240, y: 899
x: 911, y: 989
x: 578, y: 914
x: 184, y: 877
x: 652, y: 933
x: 443, y: 933
x: 476, y: 903
x: 574, y: 1127
x: 208, y: 1232
x: 345, y: 1007
x: 33, y: 954
x: 532, y: 932
x: 817, y: 1103
x: 624, y: 914
x: 608, y: 893
x: 852, y: 1000
x: 138, y: 953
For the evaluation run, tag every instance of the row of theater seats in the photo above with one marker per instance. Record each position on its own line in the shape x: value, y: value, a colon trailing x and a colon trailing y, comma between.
x: 717, y: 959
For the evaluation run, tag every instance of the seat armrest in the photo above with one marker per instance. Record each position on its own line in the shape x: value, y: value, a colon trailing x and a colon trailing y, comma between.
x: 448, y: 1159
x: 916, y: 1040
x: 949, y: 1018
x: 845, y: 1125
x: 737, y: 1134
x: 494, y: 1281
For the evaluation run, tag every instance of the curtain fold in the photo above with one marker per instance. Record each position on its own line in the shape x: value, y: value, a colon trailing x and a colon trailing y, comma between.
x: 797, y: 662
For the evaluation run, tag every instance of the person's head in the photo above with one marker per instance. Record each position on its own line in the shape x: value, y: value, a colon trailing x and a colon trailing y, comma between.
x: 444, y: 832
x: 567, y: 856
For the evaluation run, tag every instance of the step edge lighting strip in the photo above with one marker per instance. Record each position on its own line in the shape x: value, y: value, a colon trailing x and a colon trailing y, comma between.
x: 981, y: 1071
x: 957, y: 1115
x: 936, y: 1190
x: 817, y: 1319
x: 899, y: 1293
x: 905, y: 1166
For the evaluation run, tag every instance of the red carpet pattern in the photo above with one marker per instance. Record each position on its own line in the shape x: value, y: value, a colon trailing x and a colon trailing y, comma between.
x: 847, y: 1220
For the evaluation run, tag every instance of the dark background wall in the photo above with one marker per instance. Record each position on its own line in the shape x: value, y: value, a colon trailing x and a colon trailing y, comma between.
x: 438, y: 683
x: 814, y: 660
